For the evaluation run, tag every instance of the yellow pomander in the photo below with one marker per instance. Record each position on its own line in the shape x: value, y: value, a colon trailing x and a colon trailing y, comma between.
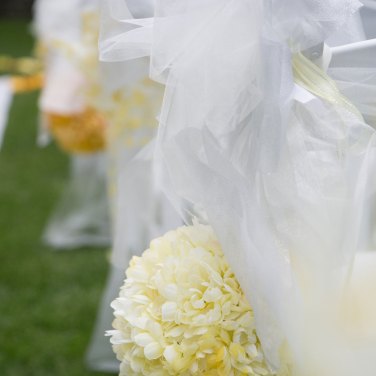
x: 79, y: 133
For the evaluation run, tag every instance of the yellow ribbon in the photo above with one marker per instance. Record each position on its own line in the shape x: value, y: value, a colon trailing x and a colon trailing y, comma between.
x: 315, y: 80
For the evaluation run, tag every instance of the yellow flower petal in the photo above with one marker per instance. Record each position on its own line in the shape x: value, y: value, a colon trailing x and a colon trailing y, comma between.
x: 143, y: 339
x: 169, y: 311
x: 153, y: 351
x: 171, y: 354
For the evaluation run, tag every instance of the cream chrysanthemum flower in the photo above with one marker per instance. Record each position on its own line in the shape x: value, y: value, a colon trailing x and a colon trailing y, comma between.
x: 182, y: 312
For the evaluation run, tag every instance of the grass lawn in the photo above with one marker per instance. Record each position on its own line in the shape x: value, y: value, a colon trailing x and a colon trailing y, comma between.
x: 48, y: 300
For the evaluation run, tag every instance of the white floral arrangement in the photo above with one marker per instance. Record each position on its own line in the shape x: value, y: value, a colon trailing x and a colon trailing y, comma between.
x: 181, y: 311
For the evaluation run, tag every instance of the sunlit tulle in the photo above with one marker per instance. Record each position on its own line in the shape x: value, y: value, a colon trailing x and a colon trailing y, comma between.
x: 280, y: 175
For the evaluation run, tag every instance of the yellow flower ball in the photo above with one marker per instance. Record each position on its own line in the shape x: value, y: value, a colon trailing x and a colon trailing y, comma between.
x: 181, y: 311
x: 83, y: 132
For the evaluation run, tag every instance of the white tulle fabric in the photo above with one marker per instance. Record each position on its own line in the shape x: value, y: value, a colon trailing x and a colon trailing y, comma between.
x: 368, y: 13
x: 353, y: 68
x: 141, y: 212
x: 280, y: 174
x: 57, y: 20
x: 58, y: 97
x: 81, y: 217
x: 58, y: 26
x: 358, y: 83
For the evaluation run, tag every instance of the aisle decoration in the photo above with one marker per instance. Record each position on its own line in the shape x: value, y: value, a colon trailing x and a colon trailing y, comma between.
x: 77, y: 123
x: 81, y: 217
x: 278, y: 166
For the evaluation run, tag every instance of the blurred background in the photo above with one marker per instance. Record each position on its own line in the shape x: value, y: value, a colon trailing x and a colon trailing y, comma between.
x: 48, y: 300
x: 16, y: 8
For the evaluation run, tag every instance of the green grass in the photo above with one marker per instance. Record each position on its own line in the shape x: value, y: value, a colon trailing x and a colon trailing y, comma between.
x: 48, y: 300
